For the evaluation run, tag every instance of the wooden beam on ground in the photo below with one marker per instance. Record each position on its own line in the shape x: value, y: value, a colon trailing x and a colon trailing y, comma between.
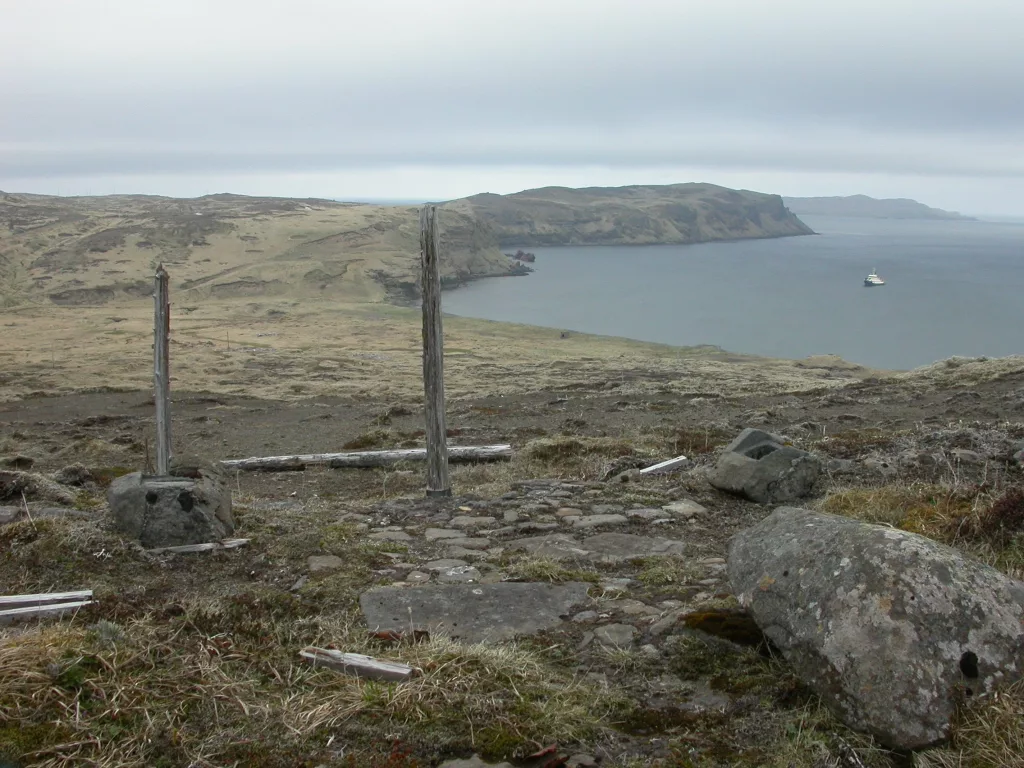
x: 358, y: 665
x: 48, y: 605
x: 161, y: 371
x: 207, y: 547
x: 468, y: 453
x: 438, y: 483
x: 46, y: 598
x: 665, y: 466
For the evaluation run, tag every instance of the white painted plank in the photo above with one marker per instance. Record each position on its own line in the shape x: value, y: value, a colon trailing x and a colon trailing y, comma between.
x: 46, y: 598
x: 358, y: 665
x: 665, y: 466
x: 40, y: 611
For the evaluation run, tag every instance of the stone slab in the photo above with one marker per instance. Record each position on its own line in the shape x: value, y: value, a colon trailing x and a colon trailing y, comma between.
x: 603, y: 548
x: 171, y: 511
x: 473, y: 612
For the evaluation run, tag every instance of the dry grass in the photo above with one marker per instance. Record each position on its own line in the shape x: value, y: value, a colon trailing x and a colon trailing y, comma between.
x: 666, y: 571
x: 984, y: 522
x: 990, y: 733
x: 782, y: 726
x: 219, y: 682
x: 545, y: 569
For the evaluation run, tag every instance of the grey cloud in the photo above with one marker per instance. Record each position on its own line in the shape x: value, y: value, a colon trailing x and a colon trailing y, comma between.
x: 841, y: 86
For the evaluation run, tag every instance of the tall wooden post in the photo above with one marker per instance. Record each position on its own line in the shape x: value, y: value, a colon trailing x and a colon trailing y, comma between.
x: 438, y: 483
x: 162, y: 372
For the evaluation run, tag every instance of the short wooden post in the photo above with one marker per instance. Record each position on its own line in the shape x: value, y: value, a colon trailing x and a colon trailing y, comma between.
x: 162, y: 372
x: 438, y: 483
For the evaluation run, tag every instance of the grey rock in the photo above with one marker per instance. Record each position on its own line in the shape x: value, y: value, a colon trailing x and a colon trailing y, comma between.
x: 752, y: 438
x: 581, y: 761
x: 391, y: 536
x: 433, y: 534
x: 608, y: 548
x: 471, y: 522
x: 468, y: 543
x: 592, y: 521
x: 630, y: 475
x: 965, y: 456
x: 460, y: 574
x: 881, y: 466
x: 606, y: 509
x: 167, y: 512
x: 704, y: 699
x: 466, y: 554
x: 473, y: 612
x: 758, y: 466
x: 569, y: 512
x: 510, y: 516
x: 633, y: 608
x: 842, y: 466
x: 617, y: 635
x: 445, y: 564
x: 647, y: 514
x: 1019, y: 457
x: 323, y: 563
x: 536, y: 527
x: 666, y: 623
x: 417, y: 577
x: 473, y: 762
x: 883, y: 624
x: 685, y: 508
x: 616, y: 586
x: 585, y: 617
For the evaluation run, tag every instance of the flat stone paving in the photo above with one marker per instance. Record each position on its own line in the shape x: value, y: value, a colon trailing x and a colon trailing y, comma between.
x: 473, y: 612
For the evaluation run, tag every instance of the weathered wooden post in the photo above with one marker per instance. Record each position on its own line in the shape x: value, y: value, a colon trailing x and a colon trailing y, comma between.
x: 438, y: 483
x: 161, y: 372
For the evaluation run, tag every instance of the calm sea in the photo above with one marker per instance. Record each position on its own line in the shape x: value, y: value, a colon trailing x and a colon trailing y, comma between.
x: 952, y: 288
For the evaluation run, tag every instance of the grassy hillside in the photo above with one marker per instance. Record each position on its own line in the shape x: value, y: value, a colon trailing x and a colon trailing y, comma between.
x: 97, y: 250
x: 634, y: 215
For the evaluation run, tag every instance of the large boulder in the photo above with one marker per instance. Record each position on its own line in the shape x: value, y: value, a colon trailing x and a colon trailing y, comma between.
x: 171, y: 511
x: 885, y: 625
x: 762, y: 468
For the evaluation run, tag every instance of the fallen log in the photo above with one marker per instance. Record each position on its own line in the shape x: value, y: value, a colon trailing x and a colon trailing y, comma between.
x: 206, y: 547
x: 470, y: 453
x: 358, y: 665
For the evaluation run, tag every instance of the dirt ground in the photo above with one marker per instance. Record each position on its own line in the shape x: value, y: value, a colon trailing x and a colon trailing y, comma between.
x: 178, y: 641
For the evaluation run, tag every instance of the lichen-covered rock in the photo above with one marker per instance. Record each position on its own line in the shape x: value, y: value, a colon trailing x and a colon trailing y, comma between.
x: 885, y: 625
x: 761, y: 467
x: 171, y: 511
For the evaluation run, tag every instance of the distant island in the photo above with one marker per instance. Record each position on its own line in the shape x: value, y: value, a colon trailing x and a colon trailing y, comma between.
x: 869, y: 207
x: 634, y: 215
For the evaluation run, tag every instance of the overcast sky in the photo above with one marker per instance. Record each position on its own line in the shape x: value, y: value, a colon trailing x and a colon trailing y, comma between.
x: 444, y: 98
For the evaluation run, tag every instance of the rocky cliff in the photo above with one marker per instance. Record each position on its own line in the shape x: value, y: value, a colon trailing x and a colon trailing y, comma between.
x: 634, y: 215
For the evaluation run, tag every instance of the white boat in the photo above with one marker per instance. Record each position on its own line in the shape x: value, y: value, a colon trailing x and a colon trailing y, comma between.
x: 873, y: 279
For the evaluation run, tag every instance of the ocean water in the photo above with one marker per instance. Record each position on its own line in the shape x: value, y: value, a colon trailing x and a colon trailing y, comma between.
x: 952, y: 288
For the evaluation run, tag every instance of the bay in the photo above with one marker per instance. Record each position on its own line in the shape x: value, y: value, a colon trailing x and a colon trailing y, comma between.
x: 952, y: 288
